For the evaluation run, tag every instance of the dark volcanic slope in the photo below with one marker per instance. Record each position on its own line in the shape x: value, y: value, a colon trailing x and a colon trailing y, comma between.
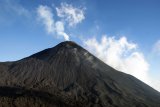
x: 66, y: 76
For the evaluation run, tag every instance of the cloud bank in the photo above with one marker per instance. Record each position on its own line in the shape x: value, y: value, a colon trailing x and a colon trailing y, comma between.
x: 121, y: 55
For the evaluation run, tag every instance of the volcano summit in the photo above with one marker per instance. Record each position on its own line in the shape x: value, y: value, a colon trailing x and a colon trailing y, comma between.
x: 69, y: 76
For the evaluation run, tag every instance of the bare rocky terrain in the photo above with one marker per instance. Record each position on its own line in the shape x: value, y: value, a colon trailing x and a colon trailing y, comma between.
x: 69, y: 76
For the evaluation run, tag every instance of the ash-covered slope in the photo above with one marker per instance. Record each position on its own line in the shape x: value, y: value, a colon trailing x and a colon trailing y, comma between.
x: 66, y: 76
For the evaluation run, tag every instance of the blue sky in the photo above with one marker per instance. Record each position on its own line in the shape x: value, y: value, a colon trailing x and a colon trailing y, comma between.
x: 129, y: 30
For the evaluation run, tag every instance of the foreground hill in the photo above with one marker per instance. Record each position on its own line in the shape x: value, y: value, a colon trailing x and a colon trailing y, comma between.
x: 69, y: 76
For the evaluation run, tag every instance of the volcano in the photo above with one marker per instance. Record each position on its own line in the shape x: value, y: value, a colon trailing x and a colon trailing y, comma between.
x: 67, y: 75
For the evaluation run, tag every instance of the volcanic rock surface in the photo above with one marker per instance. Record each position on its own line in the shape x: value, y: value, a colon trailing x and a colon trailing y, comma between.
x: 69, y: 76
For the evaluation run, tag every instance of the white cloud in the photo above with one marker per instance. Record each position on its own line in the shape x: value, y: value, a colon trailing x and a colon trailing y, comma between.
x: 70, y: 14
x: 155, y: 83
x: 121, y: 55
x: 52, y: 27
x: 156, y: 48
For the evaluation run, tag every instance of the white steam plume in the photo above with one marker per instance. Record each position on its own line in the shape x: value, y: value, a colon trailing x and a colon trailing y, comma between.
x: 52, y: 27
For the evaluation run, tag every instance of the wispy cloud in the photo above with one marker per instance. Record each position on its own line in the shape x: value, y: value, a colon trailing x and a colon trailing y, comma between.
x: 70, y: 14
x: 46, y: 16
x: 121, y: 55
x: 10, y: 10
x: 13, y: 7
x: 156, y: 48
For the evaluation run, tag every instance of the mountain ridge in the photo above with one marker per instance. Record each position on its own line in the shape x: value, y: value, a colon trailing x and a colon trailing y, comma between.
x: 78, y: 77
